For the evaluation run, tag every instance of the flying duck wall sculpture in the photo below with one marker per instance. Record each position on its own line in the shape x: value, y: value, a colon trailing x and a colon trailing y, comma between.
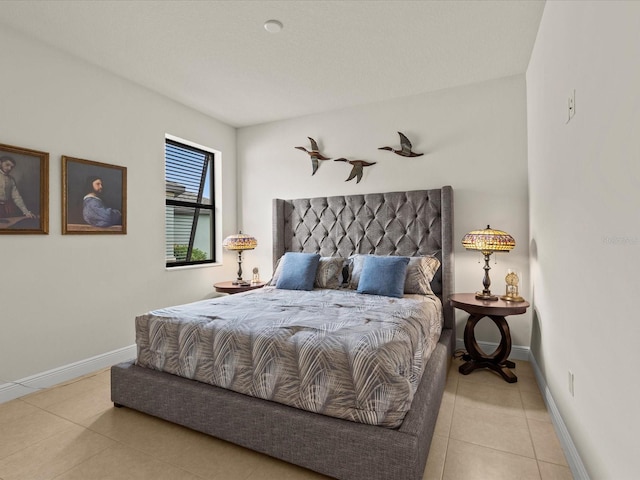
x: 405, y: 147
x: 356, y: 171
x: 314, y: 154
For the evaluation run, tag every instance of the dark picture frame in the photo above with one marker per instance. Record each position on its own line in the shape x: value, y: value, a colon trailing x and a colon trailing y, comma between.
x: 94, y: 197
x: 24, y: 191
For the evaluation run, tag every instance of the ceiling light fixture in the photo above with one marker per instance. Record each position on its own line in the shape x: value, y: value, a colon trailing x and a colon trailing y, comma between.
x: 273, y: 26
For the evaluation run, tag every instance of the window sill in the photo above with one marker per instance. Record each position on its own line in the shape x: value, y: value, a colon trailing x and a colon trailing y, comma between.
x: 189, y: 267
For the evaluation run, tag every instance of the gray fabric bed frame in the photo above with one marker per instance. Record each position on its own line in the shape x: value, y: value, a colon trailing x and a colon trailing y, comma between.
x: 401, y: 223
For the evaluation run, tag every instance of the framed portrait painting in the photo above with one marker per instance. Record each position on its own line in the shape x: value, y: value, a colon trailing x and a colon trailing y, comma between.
x: 94, y: 197
x: 24, y: 190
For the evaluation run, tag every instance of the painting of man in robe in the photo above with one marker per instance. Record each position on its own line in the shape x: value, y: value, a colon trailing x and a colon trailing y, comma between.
x: 94, y: 197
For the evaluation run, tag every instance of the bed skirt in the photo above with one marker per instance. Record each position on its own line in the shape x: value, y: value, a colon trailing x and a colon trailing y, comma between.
x: 338, y: 448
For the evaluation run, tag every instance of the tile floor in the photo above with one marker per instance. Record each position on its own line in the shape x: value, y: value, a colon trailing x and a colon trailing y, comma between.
x: 487, y: 429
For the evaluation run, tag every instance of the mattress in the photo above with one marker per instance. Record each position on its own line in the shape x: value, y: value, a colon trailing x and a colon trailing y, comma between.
x: 334, y: 352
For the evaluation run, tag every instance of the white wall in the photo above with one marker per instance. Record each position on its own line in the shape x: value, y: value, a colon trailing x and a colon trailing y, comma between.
x: 585, y: 235
x: 474, y: 138
x: 67, y: 298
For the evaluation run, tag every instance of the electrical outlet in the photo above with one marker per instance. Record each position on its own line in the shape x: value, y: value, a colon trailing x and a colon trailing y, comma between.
x: 571, y: 105
x: 571, y: 387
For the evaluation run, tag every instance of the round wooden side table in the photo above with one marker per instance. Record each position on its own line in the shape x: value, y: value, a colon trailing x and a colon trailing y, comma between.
x: 231, y: 288
x: 496, y: 310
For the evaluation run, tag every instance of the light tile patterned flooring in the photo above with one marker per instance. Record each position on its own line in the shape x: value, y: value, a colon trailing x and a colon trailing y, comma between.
x: 486, y: 429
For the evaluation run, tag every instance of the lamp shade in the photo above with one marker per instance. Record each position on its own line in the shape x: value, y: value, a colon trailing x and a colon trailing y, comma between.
x: 488, y: 240
x: 240, y: 241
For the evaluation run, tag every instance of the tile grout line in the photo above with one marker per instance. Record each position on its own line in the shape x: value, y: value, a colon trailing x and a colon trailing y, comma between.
x: 51, y: 436
x: 534, y: 458
x: 115, y: 442
x: 453, y: 411
x: 485, y: 446
x: 67, y: 427
x: 496, y: 450
x: 128, y: 447
x: 533, y: 444
x: 535, y: 450
x: 446, y: 454
x: 83, y: 461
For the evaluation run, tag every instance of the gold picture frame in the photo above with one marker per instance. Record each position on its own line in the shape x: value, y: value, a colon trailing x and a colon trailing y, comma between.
x: 94, y: 197
x: 24, y: 191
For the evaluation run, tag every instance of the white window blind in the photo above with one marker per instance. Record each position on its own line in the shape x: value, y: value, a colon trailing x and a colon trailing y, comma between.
x: 189, y: 209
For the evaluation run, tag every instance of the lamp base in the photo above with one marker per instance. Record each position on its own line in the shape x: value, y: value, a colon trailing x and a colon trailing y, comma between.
x: 486, y: 296
x: 241, y: 283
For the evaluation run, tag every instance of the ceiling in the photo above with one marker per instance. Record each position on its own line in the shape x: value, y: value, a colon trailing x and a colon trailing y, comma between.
x: 216, y: 57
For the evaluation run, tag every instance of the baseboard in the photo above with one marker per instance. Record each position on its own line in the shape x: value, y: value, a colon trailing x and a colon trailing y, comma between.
x: 571, y: 453
x: 19, y: 388
x: 518, y: 352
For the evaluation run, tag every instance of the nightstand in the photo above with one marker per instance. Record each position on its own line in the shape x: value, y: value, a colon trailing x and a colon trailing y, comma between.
x: 230, y: 288
x: 496, y: 310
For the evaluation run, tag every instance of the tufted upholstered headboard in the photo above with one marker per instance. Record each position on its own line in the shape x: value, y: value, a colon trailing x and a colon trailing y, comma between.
x: 418, y: 222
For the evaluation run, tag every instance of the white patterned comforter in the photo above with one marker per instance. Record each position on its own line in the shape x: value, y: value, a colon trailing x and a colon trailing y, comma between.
x: 334, y: 352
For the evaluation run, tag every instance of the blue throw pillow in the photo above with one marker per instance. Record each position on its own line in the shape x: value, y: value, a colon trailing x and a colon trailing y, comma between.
x: 298, y: 271
x: 383, y: 276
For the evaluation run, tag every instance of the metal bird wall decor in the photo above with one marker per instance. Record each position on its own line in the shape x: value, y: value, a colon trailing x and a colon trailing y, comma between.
x: 314, y: 154
x: 405, y: 147
x: 356, y: 171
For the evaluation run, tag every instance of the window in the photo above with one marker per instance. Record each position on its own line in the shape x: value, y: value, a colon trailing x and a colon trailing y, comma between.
x: 189, y: 210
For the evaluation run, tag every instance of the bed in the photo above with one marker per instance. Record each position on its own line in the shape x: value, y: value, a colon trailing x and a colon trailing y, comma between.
x: 411, y: 224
